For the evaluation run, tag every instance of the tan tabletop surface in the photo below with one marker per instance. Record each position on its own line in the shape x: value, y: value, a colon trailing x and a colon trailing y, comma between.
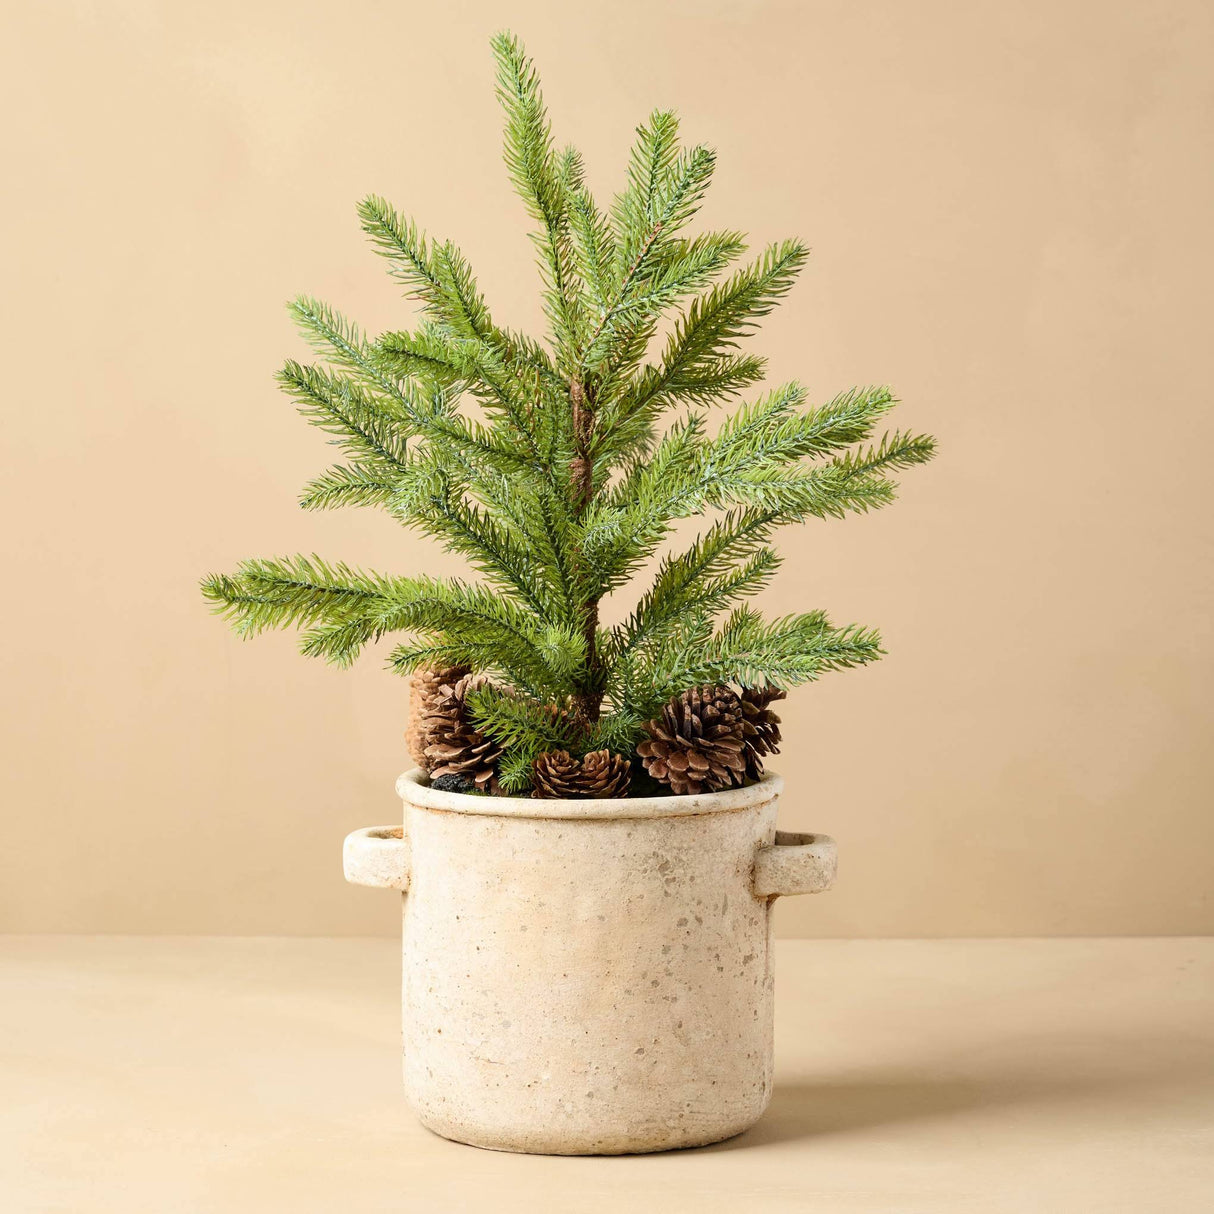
x: 195, y: 1074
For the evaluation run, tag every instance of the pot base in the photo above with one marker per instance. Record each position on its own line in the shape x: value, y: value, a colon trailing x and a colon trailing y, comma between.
x: 630, y: 1143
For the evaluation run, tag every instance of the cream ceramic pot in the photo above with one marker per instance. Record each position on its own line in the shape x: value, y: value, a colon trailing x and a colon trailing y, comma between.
x: 592, y: 976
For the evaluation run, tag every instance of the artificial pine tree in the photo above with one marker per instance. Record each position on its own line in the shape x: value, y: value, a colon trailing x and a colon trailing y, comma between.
x: 579, y: 456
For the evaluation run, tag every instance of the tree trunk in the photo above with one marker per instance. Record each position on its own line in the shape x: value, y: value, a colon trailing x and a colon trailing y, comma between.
x: 588, y: 702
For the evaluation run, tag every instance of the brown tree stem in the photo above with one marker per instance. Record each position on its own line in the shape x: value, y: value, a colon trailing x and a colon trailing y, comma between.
x: 587, y: 704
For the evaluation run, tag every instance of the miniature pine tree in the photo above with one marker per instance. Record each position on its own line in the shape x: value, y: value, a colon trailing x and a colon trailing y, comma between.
x: 581, y: 457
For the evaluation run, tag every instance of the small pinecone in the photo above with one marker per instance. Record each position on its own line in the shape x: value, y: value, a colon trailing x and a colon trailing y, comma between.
x: 697, y: 744
x: 760, y: 727
x: 557, y: 774
x: 424, y: 688
x: 454, y: 747
x: 605, y: 774
x: 600, y: 774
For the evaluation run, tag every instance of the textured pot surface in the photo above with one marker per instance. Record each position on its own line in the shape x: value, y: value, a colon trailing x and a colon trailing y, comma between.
x: 588, y: 976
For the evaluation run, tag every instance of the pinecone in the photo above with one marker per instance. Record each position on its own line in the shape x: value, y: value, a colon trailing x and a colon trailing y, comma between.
x: 697, y: 744
x: 600, y: 774
x: 557, y: 774
x: 453, y: 745
x: 760, y: 727
x: 605, y: 774
x: 424, y: 688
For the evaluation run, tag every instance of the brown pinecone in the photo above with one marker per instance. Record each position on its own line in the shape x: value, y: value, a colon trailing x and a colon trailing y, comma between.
x: 605, y: 774
x: 600, y: 774
x: 423, y: 690
x: 453, y: 745
x: 557, y: 774
x: 760, y: 727
x: 697, y: 744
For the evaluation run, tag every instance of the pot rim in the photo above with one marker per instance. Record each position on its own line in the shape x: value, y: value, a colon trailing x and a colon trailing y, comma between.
x: 413, y: 788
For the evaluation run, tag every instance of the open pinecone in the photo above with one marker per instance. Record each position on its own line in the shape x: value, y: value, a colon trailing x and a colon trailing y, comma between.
x: 599, y: 774
x: 424, y: 688
x: 557, y: 774
x: 605, y: 774
x: 697, y: 744
x: 458, y: 756
x: 760, y: 727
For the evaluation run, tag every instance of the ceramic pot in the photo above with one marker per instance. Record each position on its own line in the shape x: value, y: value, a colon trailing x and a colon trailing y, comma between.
x: 588, y: 976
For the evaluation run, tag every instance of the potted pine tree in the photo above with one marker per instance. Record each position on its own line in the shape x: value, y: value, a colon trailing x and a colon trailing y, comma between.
x: 589, y: 846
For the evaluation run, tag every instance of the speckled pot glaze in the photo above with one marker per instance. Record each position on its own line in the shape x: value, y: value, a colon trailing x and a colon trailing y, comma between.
x: 588, y: 977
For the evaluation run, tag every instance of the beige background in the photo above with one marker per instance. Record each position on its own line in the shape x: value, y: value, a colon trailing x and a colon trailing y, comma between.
x: 1010, y: 212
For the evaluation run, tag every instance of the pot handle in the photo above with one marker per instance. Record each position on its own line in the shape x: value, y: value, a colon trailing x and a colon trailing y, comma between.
x: 377, y: 856
x: 795, y: 864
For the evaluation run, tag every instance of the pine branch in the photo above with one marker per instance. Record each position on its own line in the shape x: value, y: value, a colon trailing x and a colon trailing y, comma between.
x: 752, y: 462
x: 684, y: 266
x: 405, y: 247
x: 662, y: 627
x: 895, y: 451
x: 617, y: 731
x: 429, y: 352
x: 515, y: 720
x: 370, y: 428
x: 541, y: 659
x: 622, y: 529
x: 751, y: 651
x: 513, y: 448
x: 595, y: 245
x: 674, y: 202
x: 348, y: 485
x: 291, y: 591
x: 476, y: 655
x: 530, y: 160
x: 336, y: 339
x: 650, y: 163
x: 345, y: 609
x: 439, y: 276
x: 706, y: 336
x: 723, y: 566
x: 436, y: 504
x: 775, y: 429
x: 515, y: 768
x: 463, y: 438
x: 460, y: 307
x: 729, y: 312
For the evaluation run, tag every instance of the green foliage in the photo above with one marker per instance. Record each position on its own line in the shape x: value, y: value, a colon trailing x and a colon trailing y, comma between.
x: 580, y: 458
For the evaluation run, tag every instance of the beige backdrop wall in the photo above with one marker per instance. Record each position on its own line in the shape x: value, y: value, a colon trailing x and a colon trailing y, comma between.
x: 1010, y: 211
